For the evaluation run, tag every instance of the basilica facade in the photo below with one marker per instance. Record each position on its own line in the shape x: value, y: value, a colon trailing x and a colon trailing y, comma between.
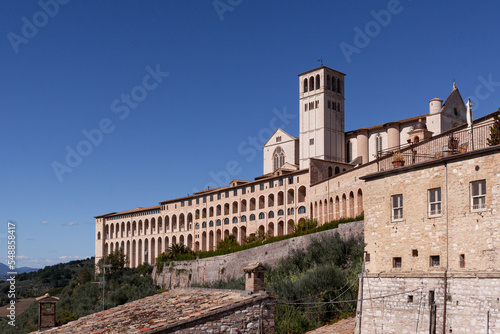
x: 315, y: 176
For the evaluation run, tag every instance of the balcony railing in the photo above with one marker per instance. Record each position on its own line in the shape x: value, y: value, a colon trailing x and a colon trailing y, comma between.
x: 449, y: 143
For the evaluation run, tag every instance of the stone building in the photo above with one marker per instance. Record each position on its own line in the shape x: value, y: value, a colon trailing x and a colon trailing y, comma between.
x: 432, y: 234
x: 186, y: 311
x: 314, y: 176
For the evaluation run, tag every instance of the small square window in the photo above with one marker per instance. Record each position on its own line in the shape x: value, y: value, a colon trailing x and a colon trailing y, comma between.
x: 198, y: 200
x: 262, y: 186
x: 410, y: 299
x: 462, y: 260
x: 278, y: 139
x: 396, y: 262
x: 434, y: 261
x: 478, y: 195
x: 414, y: 252
x: 271, y: 184
x: 252, y: 188
x: 243, y: 191
x: 367, y: 257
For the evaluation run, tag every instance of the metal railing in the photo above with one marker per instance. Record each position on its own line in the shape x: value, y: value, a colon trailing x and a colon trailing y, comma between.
x: 449, y: 143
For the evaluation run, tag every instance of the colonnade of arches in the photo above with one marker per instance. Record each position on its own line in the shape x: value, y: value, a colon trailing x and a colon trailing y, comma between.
x: 341, y: 206
x: 331, y: 83
x: 145, y: 250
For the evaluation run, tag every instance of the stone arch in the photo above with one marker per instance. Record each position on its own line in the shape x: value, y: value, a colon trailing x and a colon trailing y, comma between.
x: 252, y: 204
x: 134, y: 254
x: 182, y: 222
x: 204, y: 241
x: 270, y: 229
x: 243, y: 234
x: 127, y: 253
x: 302, y: 194
x: 211, y: 240
x: 153, y: 251
x: 262, y: 202
x: 167, y: 245
x: 344, y: 206
x: 235, y: 207
x: 359, y: 202
x: 181, y: 240
x: 243, y: 205
x: 174, y: 223
x: 290, y: 226
x: 281, y: 198
x: 160, y: 225
x: 270, y: 200
x: 167, y: 224
x: 290, y: 196
x: 140, y: 256
x: 351, y: 205
x: 281, y: 228
x: 190, y: 241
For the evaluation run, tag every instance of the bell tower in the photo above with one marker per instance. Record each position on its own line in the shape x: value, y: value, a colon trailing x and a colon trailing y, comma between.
x: 321, y: 100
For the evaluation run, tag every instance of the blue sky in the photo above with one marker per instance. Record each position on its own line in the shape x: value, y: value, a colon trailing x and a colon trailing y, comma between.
x: 171, y: 92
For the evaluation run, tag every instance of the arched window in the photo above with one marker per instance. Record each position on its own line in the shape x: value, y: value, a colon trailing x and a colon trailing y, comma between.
x: 317, y: 81
x: 328, y: 82
x: 211, y: 224
x: 302, y: 209
x: 330, y: 171
x: 334, y: 86
x: 337, y: 170
x: 243, y: 219
x: 378, y: 143
x: 262, y: 215
x: 204, y: 224
x: 197, y: 226
x: 226, y: 221
x: 218, y: 223
x: 339, y: 88
x: 278, y: 158
x: 235, y: 220
x: 305, y: 85
x: 311, y: 83
x: 252, y: 217
x: 270, y: 214
x: 281, y: 213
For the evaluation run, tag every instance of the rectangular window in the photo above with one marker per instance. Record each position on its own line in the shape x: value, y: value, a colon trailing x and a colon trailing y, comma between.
x: 434, y: 261
x: 281, y: 182
x: 396, y: 262
x: 290, y: 180
x: 190, y: 202
x: 478, y: 195
x: 262, y: 186
x: 198, y: 200
x: 311, y: 141
x: 211, y: 198
x: 414, y: 252
x: 219, y: 195
x: 317, y: 104
x: 462, y: 260
x: 182, y: 203
x: 235, y: 192
x: 243, y: 191
x: 367, y: 257
x: 271, y: 184
x: 305, y: 107
x: 204, y: 199
x: 397, y: 207
x: 329, y: 104
x: 227, y: 194
x: 434, y: 200
x: 252, y: 188
x: 278, y: 139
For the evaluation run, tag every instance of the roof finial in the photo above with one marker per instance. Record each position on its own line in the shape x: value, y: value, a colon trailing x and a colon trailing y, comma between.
x: 454, y: 86
x: 321, y: 61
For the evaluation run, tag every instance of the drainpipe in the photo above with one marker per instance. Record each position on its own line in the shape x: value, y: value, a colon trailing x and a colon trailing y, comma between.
x: 447, y: 257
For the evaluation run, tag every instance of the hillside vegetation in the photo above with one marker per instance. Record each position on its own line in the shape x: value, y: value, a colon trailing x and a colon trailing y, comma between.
x: 82, y: 295
x: 315, y: 286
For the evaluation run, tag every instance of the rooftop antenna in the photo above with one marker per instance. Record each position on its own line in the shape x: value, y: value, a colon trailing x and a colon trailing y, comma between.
x: 321, y: 61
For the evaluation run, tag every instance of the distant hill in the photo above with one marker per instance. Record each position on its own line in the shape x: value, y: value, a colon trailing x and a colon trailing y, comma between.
x: 4, y: 269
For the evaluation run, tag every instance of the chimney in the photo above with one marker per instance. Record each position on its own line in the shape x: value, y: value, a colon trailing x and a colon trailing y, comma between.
x: 46, y: 312
x: 254, y: 277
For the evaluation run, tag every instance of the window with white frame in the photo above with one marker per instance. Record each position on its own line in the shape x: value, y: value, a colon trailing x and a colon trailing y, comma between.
x: 478, y: 195
x: 434, y: 199
x: 397, y: 207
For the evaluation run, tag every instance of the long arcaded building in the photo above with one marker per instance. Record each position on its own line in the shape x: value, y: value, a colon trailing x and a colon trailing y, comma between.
x: 314, y: 176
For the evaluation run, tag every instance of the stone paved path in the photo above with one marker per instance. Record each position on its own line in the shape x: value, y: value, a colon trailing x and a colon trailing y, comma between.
x: 345, y: 326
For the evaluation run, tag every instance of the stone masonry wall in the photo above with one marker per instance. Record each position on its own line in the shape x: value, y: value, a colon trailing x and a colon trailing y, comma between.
x: 472, y: 305
x: 245, y: 319
x: 185, y: 273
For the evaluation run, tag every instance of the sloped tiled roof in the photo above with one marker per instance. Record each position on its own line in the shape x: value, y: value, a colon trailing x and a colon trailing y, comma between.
x: 160, y: 312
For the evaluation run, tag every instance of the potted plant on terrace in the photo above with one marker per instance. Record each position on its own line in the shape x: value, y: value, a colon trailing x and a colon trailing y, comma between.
x: 398, y: 160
